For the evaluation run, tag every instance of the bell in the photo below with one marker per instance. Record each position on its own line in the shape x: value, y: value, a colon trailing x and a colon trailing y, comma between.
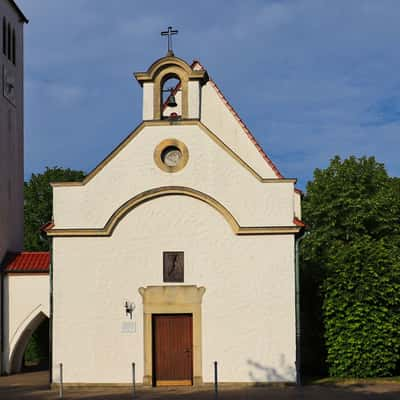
x: 171, y: 101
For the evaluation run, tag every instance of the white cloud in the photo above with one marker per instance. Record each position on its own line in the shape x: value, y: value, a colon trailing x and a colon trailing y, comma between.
x: 58, y: 93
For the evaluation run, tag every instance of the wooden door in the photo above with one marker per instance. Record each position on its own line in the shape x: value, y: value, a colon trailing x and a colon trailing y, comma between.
x: 172, y: 349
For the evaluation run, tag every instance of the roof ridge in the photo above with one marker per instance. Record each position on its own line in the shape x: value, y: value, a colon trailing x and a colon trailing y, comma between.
x: 194, y: 62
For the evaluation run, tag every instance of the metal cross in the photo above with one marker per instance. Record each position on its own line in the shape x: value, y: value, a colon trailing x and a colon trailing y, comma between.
x: 169, y: 33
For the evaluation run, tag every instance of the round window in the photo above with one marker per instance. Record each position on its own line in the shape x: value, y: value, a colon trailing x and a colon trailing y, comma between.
x: 171, y: 155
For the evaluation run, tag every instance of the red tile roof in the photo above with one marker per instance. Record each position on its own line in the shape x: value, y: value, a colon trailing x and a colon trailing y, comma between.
x: 47, y: 226
x: 298, y: 222
x: 300, y: 192
x: 27, y: 262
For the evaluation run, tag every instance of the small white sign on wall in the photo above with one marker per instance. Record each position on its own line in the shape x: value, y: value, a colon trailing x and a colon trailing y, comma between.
x: 128, y: 327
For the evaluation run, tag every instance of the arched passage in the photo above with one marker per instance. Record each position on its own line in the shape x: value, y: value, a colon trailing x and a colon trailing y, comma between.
x: 18, y: 351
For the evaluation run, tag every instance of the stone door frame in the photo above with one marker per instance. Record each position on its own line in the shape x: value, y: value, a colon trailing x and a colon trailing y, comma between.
x: 171, y: 300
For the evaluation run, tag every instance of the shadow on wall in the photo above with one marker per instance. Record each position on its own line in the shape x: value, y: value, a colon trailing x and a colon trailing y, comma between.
x: 262, y: 373
x: 312, y: 346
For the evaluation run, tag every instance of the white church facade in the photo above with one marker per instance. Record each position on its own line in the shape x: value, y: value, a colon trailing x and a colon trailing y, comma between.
x: 177, y: 250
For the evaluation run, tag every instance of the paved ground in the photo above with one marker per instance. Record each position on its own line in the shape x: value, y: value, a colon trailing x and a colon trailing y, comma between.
x: 33, y: 386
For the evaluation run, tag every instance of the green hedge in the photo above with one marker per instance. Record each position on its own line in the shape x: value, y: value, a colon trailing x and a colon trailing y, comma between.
x: 362, y: 309
x: 352, y: 259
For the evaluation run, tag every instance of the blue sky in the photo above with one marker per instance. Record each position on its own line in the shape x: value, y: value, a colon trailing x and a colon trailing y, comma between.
x: 311, y: 78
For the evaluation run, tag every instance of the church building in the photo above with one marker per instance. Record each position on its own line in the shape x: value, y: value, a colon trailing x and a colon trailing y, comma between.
x: 177, y: 250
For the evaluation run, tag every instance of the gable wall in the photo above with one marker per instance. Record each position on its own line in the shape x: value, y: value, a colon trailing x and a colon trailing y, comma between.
x: 210, y: 170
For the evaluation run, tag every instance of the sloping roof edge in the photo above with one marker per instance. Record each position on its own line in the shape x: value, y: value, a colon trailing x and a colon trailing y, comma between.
x: 241, y: 123
x: 18, y: 10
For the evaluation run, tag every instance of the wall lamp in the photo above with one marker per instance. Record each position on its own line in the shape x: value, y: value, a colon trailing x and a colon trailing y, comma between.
x: 129, y: 308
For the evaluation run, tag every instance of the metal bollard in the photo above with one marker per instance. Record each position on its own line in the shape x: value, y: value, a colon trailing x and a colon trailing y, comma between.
x: 133, y: 381
x: 216, y: 379
x: 61, y: 391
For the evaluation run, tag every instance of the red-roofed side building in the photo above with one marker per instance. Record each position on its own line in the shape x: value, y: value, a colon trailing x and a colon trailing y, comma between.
x: 26, y: 295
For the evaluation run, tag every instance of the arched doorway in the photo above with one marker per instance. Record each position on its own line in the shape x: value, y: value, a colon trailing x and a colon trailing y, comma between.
x: 31, y: 349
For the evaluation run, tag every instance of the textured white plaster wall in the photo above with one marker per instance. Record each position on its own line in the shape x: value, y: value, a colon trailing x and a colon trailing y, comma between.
x: 148, y: 101
x: 297, y: 204
x: 210, y: 169
x: 26, y: 296
x: 167, y: 111
x: 248, y: 308
x: 194, y: 99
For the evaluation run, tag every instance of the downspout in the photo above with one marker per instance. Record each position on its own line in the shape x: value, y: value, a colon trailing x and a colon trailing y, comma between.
x: 298, y: 325
x: 51, y: 313
x: 45, y: 239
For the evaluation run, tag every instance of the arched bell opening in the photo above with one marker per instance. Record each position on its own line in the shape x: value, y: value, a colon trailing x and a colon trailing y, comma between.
x: 156, y: 79
x: 31, y: 352
x: 171, y: 97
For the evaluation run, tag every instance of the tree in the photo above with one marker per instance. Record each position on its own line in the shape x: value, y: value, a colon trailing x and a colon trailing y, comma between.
x: 38, y: 204
x: 352, y: 209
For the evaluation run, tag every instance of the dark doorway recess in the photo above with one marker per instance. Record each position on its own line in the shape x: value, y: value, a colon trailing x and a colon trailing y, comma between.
x: 36, y: 355
x: 31, y: 352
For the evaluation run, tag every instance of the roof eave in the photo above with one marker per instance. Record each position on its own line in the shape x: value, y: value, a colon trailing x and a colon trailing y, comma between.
x: 18, y: 10
x: 26, y: 272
